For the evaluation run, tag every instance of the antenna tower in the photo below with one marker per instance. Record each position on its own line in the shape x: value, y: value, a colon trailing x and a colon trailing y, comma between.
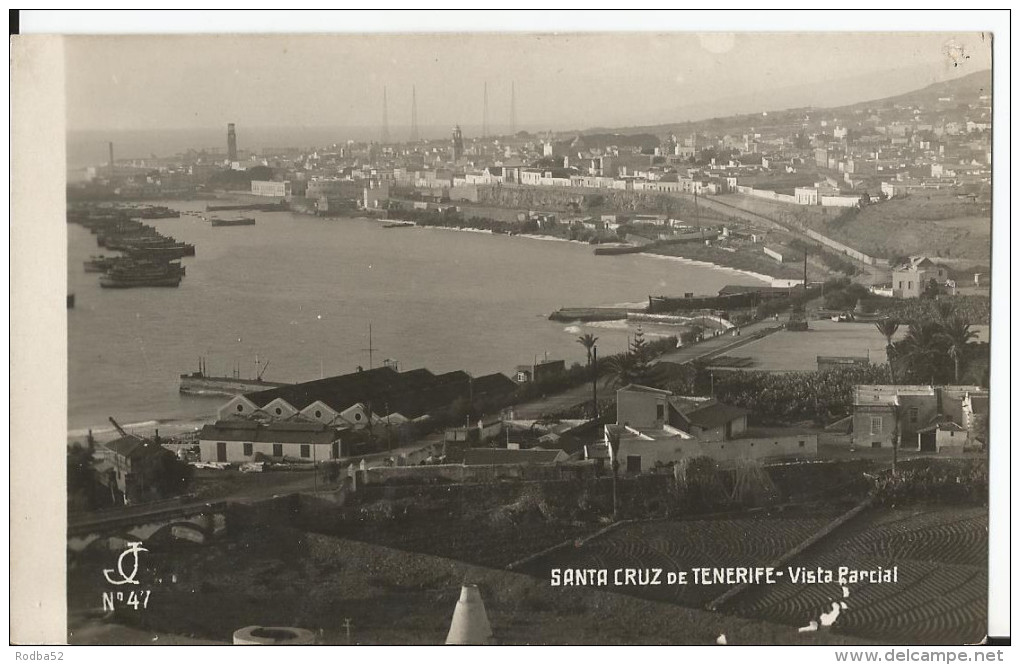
x: 513, y: 109
x: 385, y: 118
x: 414, y: 115
x: 370, y: 348
x: 485, y: 110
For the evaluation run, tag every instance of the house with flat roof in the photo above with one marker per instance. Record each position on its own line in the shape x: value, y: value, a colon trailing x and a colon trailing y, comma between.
x: 923, y: 418
x: 654, y: 428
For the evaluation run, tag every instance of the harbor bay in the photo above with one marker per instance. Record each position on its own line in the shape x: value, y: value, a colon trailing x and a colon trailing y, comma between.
x: 300, y: 292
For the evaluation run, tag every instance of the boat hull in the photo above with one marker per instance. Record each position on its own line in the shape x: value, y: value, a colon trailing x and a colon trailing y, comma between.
x: 219, y: 386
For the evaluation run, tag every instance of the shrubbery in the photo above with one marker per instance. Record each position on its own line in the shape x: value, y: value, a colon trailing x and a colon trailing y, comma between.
x: 935, y: 480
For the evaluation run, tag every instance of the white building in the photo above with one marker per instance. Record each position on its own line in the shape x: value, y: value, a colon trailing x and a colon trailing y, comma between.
x: 274, y: 188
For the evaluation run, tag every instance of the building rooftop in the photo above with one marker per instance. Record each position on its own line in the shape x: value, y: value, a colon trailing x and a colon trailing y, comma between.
x: 280, y: 432
x: 714, y: 415
x: 133, y: 447
x: 412, y: 394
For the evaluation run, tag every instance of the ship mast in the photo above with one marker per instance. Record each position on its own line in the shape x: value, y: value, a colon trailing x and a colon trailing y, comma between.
x: 370, y: 348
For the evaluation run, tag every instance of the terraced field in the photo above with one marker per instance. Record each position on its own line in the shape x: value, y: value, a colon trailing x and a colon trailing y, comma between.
x: 941, y: 594
x: 683, y: 545
x: 493, y: 546
x: 941, y: 554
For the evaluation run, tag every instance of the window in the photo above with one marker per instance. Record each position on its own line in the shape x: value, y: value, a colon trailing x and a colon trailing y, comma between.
x: 357, y: 417
x: 277, y: 450
x: 901, y: 284
x: 876, y: 444
x: 318, y: 414
x: 305, y: 450
x: 913, y: 414
x: 876, y: 425
x: 660, y: 411
x: 910, y: 285
x: 278, y: 410
x: 240, y: 407
x: 800, y: 443
x: 248, y: 450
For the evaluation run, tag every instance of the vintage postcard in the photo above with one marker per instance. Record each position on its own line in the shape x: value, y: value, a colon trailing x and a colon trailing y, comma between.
x: 590, y: 338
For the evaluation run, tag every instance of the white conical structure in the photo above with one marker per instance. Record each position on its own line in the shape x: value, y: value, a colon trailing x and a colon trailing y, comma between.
x: 470, y: 624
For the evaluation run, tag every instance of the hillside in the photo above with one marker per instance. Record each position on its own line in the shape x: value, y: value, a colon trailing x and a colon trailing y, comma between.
x: 965, y: 89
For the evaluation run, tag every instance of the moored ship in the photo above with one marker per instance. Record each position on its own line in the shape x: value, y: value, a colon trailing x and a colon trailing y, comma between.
x: 237, y: 221
x: 200, y: 383
x: 142, y: 273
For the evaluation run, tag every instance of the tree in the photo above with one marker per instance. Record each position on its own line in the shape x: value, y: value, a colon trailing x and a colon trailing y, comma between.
x: 956, y: 334
x: 587, y: 341
x: 632, y: 366
x: 922, y: 349
x: 173, y: 476
x: 932, y: 290
x: 888, y: 328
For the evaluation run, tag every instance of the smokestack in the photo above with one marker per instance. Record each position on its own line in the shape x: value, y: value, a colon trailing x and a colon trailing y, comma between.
x: 231, y: 143
x: 111, y: 155
x: 470, y: 624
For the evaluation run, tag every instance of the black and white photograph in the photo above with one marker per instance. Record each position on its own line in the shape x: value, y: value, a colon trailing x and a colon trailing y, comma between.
x: 525, y: 337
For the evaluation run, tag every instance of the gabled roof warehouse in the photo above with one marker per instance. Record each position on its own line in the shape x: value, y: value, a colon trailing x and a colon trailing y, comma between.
x: 413, y: 393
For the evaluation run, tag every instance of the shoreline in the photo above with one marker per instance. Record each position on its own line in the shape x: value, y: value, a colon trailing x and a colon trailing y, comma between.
x: 172, y: 426
x: 693, y: 262
x: 168, y: 428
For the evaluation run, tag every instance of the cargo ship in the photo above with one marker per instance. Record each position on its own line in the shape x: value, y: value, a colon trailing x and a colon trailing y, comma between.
x: 200, y: 383
x: 237, y: 221
x: 282, y: 206
x: 142, y: 273
x: 101, y: 263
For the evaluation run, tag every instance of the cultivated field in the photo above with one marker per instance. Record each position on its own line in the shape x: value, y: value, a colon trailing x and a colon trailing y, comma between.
x: 940, y: 597
x: 281, y: 576
x: 673, y: 545
x: 942, y: 593
x: 797, y: 351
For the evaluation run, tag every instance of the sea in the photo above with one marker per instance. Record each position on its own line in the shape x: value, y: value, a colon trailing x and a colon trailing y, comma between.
x: 300, y: 293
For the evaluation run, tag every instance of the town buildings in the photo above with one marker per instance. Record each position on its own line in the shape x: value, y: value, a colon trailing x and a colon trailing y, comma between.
x: 131, y: 468
x: 922, y: 418
x: 910, y: 279
x: 301, y: 419
x: 277, y: 189
x: 654, y: 428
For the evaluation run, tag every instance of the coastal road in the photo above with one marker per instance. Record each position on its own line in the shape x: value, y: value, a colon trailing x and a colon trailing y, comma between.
x: 874, y: 274
x: 708, y: 347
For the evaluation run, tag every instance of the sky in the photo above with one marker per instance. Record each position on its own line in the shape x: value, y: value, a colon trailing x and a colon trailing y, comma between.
x: 566, y: 81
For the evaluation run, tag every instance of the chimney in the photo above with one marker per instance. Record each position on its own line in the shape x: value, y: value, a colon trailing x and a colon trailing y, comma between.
x: 470, y: 624
x: 111, y: 155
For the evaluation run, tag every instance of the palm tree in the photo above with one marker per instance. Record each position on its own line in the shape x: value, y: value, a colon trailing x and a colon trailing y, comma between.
x: 956, y: 334
x: 621, y: 370
x: 588, y: 341
x: 888, y: 328
x: 944, y: 311
x: 922, y: 348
